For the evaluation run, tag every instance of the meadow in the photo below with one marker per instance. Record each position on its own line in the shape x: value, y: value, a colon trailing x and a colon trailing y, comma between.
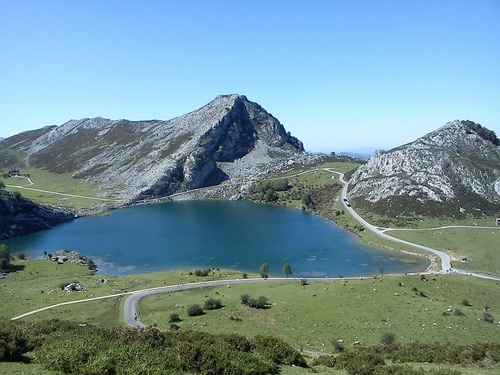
x: 447, y: 309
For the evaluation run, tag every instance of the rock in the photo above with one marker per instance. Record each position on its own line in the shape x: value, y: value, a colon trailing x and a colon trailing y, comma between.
x: 454, y: 166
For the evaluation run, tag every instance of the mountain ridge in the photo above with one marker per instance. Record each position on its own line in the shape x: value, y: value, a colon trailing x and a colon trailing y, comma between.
x: 145, y: 159
x: 453, y: 166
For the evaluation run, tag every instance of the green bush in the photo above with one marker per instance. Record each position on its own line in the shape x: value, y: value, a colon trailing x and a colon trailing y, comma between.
x: 388, y: 338
x: 278, y: 351
x: 360, y: 362
x: 324, y: 360
x: 212, y: 304
x: 13, y: 342
x: 174, y: 318
x: 194, y: 310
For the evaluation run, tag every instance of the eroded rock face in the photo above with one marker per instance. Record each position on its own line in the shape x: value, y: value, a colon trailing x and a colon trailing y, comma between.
x: 140, y: 159
x: 446, y: 165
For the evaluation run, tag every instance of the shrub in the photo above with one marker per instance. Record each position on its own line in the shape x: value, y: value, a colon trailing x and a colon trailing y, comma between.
x: 324, y: 360
x: 388, y: 338
x: 258, y: 303
x: 212, y: 304
x: 194, y: 310
x: 458, y: 312
x: 13, y: 342
x: 360, y: 362
x: 278, y: 351
x: 174, y: 318
x: 245, y: 298
x: 202, y: 273
x: 338, y: 346
x: 465, y: 302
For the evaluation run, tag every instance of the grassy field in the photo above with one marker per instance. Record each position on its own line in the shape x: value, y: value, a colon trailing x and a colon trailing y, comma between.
x: 38, y: 285
x: 63, y: 183
x: 356, y: 310
x: 309, y: 318
x: 479, y: 246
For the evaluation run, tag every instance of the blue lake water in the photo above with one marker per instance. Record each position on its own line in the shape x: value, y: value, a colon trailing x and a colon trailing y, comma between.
x: 226, y: 234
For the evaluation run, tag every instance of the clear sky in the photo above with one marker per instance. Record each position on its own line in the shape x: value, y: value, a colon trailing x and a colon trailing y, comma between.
x: 339, y: 75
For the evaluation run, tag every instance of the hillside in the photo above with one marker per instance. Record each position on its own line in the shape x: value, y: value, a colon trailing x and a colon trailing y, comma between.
x: 453, y: 171
x: 231, y: 139
x: 21, y: 216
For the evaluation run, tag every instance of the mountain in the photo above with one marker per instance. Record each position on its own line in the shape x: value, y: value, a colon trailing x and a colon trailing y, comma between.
x: 231, y: 139
x: 454, y: 170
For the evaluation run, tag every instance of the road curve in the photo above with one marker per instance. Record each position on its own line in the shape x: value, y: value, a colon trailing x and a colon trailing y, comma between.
x: 130, y: 304
x: 445, y: 258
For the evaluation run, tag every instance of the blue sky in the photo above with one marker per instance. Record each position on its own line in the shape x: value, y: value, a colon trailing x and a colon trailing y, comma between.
x: 339, y: 75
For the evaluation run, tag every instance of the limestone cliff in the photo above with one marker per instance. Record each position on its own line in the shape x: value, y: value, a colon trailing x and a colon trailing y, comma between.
x: 457, y: 166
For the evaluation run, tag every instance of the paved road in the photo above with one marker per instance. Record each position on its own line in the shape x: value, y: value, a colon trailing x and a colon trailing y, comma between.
x: 130, y: 305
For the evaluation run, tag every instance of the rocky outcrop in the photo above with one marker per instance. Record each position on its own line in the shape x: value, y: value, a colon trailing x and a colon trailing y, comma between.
x: 20, y: 216
x: 454, y: 165
x: 229, y: 139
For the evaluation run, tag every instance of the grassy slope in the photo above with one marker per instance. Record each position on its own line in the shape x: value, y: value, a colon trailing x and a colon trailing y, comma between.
x: 57, y: 182
x: 363, y: 310
x: 480, y: 246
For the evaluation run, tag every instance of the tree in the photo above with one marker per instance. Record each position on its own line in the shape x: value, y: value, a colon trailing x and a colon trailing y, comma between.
x: 287, y: 270
x: 2, y: 185
x: 264, y: 270
x: 4, y: 256
x: 306, y: 199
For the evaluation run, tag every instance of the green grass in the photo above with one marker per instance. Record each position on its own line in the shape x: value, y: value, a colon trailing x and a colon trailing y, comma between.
x: 38, y: 285
x: 62, y: 183
x: 479, y: 245
x: 310, y: 317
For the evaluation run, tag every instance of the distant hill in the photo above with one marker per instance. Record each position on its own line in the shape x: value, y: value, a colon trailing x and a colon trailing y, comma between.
x: 454, y: 170
x: 231, y: 139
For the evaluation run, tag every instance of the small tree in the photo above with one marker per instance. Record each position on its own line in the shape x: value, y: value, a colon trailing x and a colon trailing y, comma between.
x: 306, y: 199
x: 2, y: 185
x: 4, y: 256
x: 381, y: 269
x: 287, y: 270
x: 264, y: 270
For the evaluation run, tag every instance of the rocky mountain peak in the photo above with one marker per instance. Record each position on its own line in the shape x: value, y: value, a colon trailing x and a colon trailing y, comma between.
x: 458, y: 164
x: 229, y: 138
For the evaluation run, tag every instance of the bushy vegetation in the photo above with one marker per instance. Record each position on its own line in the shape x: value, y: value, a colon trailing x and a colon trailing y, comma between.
x: 372, y: 360
x: 257, y: 303
x: 71, y: 349
x: 194, y: 310
x: 483, y: 132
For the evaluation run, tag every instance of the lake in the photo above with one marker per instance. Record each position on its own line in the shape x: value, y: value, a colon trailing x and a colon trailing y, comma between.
x: 226, y: 234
